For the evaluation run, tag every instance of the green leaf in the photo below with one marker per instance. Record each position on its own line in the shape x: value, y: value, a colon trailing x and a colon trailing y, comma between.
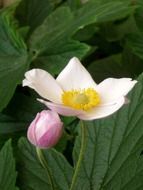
x: 54, y: 46
x: 8, y: 173
x: 33, y: 176
x: 23, y: 108
x: 126, y: 64
x: 114, y: 31
x: 18, y: 115
x: 132, y: 63
x: 101, y: 12
x: 13, y: 59
x: 125, y: 1
x: 135, y: 43
x: 53, y: 30
x: 113, y: 159
x: 108, y: 67
x: 55, y: 60
x: 11, y: 128
x: 86, y: 33
x: 29, y: 9
x: 139, y: 14
x: 74, y: 4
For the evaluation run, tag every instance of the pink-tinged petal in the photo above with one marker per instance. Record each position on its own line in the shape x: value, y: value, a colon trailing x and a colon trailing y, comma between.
x: 75, y: 76
x: 31, y: 130
x: 44, y: 84
x: 51, y: 137
x: 112, y: 89
x: 47, y: 119
x: 45, y: 130
x: 103, y: 110
x: 60, y: 109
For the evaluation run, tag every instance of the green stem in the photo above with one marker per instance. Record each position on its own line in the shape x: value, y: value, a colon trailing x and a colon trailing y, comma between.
x: 81, y: 155
x: 43, y: 162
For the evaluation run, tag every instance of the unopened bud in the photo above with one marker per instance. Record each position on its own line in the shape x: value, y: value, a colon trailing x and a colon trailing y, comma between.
x: 45, y: 130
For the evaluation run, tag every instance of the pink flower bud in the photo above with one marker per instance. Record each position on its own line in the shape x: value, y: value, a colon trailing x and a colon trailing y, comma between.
x: 45, y: 130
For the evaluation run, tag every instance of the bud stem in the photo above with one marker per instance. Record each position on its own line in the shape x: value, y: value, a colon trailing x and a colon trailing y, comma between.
x: 43, y: 162
x: 81, y: 155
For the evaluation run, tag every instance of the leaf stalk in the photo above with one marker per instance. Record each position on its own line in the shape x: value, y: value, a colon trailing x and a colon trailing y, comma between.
x: 43, y: 162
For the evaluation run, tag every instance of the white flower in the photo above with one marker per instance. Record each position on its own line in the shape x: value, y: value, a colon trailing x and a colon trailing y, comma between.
x: 74, y: 92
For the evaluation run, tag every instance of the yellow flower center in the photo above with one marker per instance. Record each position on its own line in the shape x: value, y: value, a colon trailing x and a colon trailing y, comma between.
x: 81, y: 99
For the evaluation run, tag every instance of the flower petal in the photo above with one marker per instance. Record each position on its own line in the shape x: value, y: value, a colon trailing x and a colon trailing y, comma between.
x: 51, y: 137
x: 102, y: 111
x: 31, y: 131
x: 60, y: 109
x: 47, y: 119
x: 112, y: 89
x: 75, y: 76
x: 44, y: 84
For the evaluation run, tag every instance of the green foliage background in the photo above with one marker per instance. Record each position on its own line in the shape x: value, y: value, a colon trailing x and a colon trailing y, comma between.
x: 107, y: 36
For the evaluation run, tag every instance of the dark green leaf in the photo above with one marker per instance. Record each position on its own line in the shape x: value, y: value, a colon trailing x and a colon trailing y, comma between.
x: 13, y: 59
x: 17, y: 117
x: 74, y: 4
x: 29, y: 9
x: 132, y: 63
x: 139, y: 14
x: 108, y: 67
x: 116, y: 31
x: 135, y: 43
x: 7, y: 168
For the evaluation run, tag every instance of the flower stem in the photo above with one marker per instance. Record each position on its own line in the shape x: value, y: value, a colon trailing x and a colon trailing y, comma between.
x: 81, y: 155
x: 43, y: 162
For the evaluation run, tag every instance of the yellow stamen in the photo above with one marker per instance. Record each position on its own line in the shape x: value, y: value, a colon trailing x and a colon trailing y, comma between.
x: 81, y: 99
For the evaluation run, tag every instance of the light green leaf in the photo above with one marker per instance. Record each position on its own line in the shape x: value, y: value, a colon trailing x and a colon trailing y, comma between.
x: 33, y: 176
x: 112, y: 159
x: 13, y: 59
x: 8, y: 173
